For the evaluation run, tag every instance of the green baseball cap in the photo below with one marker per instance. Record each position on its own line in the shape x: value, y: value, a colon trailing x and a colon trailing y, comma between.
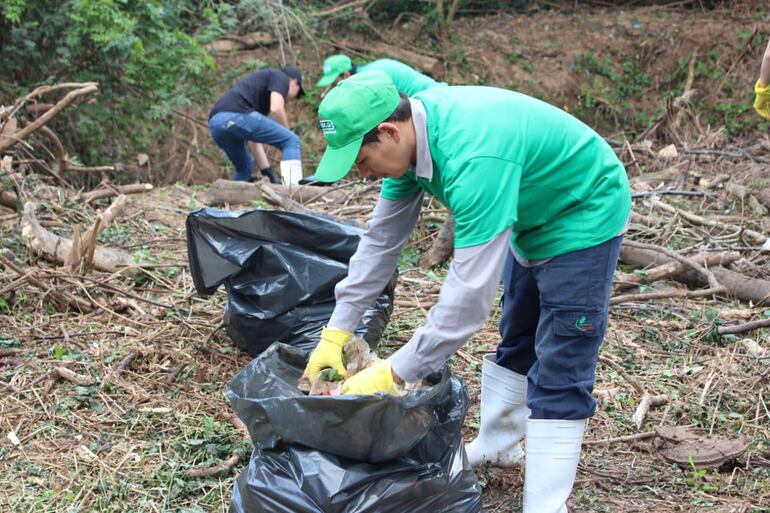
x: 334, y: 66
x: 347, y: 114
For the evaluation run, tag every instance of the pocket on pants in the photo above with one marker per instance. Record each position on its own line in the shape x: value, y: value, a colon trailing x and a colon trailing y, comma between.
x: 579, y: 323
x: 568, y: 348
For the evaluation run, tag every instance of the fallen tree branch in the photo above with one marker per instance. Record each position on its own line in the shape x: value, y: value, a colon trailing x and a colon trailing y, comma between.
x: 755, y: 237
x: 211, y: 471
x: 73, y: 377
x: 89, y: 169
x: 62, y: 296
x: 58, y: 249
x: 742, y: 328
x: 113, y: 375
x: 646, y: 402
x: 137, y: 188
x: 619, y: 439
x: 88, y: 240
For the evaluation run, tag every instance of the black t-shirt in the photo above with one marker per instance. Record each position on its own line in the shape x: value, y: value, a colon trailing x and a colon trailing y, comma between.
x: 253, y: 92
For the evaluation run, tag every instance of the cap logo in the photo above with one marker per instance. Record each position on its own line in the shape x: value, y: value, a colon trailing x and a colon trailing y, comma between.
x: 327, y: 68
x: 327, y: 126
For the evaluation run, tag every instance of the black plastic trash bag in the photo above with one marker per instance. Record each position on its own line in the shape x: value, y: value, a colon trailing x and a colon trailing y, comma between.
x: 279, y: 269
x: 346, y: 454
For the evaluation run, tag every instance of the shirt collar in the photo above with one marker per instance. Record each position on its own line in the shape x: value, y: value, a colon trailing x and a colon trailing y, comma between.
x: 424, y: 162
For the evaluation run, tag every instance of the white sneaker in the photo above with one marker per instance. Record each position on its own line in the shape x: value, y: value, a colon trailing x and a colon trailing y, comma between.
x: 503, y: 415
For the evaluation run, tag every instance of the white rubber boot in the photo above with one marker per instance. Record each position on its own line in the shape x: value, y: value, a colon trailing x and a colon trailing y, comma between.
x: 503, y: 416
x: 553, y: 453
x: 291, y: 171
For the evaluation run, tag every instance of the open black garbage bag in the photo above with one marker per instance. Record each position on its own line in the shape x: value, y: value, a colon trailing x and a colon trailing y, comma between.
x: 346, y: 454
x: 279, y: 269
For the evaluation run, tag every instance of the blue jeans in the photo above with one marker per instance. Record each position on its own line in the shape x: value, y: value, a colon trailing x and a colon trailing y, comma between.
x: 231, y: 130
x: 552, y: 325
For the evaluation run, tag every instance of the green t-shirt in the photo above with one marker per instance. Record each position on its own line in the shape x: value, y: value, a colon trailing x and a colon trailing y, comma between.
x: 504, y: 159
x: 407, y: 80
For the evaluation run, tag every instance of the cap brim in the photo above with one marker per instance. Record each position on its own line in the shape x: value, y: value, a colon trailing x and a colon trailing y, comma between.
x: 327, y: 79
x: 336, y: 162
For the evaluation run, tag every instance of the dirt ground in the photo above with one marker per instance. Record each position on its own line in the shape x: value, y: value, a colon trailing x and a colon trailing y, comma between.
x: 152, y: 407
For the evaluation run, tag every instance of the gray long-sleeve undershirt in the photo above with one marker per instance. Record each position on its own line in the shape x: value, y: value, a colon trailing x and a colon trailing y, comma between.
x: 464, y: 302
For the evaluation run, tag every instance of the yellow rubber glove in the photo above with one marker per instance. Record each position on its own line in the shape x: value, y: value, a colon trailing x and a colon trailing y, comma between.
x: 377, y: 378
x: 328, y: 352
x: 762, y: 100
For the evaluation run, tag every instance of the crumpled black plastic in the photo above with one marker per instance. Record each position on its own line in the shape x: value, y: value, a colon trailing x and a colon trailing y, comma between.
x: 346, y: 454
x: 279, y: 269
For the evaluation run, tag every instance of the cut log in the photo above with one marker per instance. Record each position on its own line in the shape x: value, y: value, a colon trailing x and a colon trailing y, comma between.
x: 234, y: 193
x: 737, y: 285
x: 442, y: 246
x: 58, y: 249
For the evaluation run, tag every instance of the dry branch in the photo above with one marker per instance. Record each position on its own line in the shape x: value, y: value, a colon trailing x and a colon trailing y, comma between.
x: 61, y: 155
x: 647, y: 401
x: 754, y: 236
x: 83, y: 89
x: 62, y: 296
x: 88, y: 240
x: 58, y: 249
x: 113, y: 375
x: 73, y: 377
x: 742, y: 328
x: 211, y: 471
x: 136, y: 188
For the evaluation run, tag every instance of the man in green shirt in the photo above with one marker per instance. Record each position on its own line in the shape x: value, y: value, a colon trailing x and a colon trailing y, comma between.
x: 540, y: 199
x: 406, y: 79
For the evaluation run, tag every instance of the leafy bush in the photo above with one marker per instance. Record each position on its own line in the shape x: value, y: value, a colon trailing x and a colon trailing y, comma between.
x: 147, y: 56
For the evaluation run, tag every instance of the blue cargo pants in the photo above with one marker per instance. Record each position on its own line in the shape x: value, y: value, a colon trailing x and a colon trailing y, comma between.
x: 231, y: 130
x: 553, y: 321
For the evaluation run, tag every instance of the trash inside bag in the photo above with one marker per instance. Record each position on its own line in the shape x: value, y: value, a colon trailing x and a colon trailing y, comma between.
x: 345, y: 454
x: 279, y: 269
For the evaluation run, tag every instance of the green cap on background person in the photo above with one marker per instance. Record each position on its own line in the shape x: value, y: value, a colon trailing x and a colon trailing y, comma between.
x: 334, y: 66
x: 350, y: 110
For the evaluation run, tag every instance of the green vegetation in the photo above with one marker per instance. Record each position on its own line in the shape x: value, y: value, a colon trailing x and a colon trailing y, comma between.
x: 148, y: 58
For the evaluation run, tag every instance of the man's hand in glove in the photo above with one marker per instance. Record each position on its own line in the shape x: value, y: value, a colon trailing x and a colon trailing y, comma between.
x: 377, y: 378
x: 328, y: 352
